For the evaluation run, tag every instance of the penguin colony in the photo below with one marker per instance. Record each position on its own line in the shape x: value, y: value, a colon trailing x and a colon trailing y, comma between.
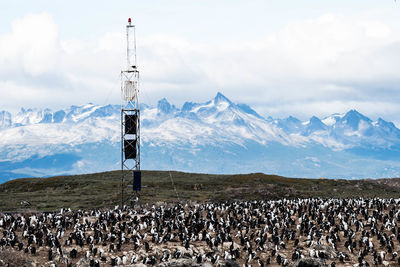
x: 324, y: 232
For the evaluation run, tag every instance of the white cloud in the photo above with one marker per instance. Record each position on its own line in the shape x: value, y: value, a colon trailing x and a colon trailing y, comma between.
x: 32, y: 46
x: 316, y: 66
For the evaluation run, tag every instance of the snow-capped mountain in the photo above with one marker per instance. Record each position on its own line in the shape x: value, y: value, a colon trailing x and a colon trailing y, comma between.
x: 218, y: 136
x: 5, y: 119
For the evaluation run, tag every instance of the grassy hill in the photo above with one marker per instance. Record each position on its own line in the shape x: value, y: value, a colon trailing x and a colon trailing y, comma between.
x: 104, y: 189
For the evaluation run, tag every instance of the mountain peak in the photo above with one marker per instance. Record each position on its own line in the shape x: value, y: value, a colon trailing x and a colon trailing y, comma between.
x: 5, y: 119
x: 353, y: 118
x: 164, y: 106
x: 314, y: 124
x: 221, y: 98
x: 315, y: 119
x: 188, y: 106
x: 382, y: 123
x: 163, y: 100
x: 354, y: 115
x: 353, y: 112
x: 292, y: 119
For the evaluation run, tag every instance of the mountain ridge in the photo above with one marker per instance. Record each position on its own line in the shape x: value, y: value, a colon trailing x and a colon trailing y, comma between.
x: 205, y: 135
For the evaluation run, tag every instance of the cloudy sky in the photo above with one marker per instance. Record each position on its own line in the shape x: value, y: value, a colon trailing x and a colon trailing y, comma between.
x: 282, y: 57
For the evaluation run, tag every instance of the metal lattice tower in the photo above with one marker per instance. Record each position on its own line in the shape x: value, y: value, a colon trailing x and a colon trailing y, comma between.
x: 130, y: 116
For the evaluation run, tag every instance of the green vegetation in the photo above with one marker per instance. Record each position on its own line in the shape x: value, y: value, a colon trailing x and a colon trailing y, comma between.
x: 101, y: 190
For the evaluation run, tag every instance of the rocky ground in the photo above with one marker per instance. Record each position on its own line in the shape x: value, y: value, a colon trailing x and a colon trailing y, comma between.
x: 298, y: 232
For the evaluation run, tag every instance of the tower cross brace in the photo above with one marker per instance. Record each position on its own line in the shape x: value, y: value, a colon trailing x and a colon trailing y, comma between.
x: 130, y: 117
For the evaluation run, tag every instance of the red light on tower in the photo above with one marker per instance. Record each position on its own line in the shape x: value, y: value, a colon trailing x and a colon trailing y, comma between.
x: 129, y: 21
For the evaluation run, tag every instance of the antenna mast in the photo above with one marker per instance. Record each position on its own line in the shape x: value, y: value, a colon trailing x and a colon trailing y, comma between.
x: 130, y: 116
